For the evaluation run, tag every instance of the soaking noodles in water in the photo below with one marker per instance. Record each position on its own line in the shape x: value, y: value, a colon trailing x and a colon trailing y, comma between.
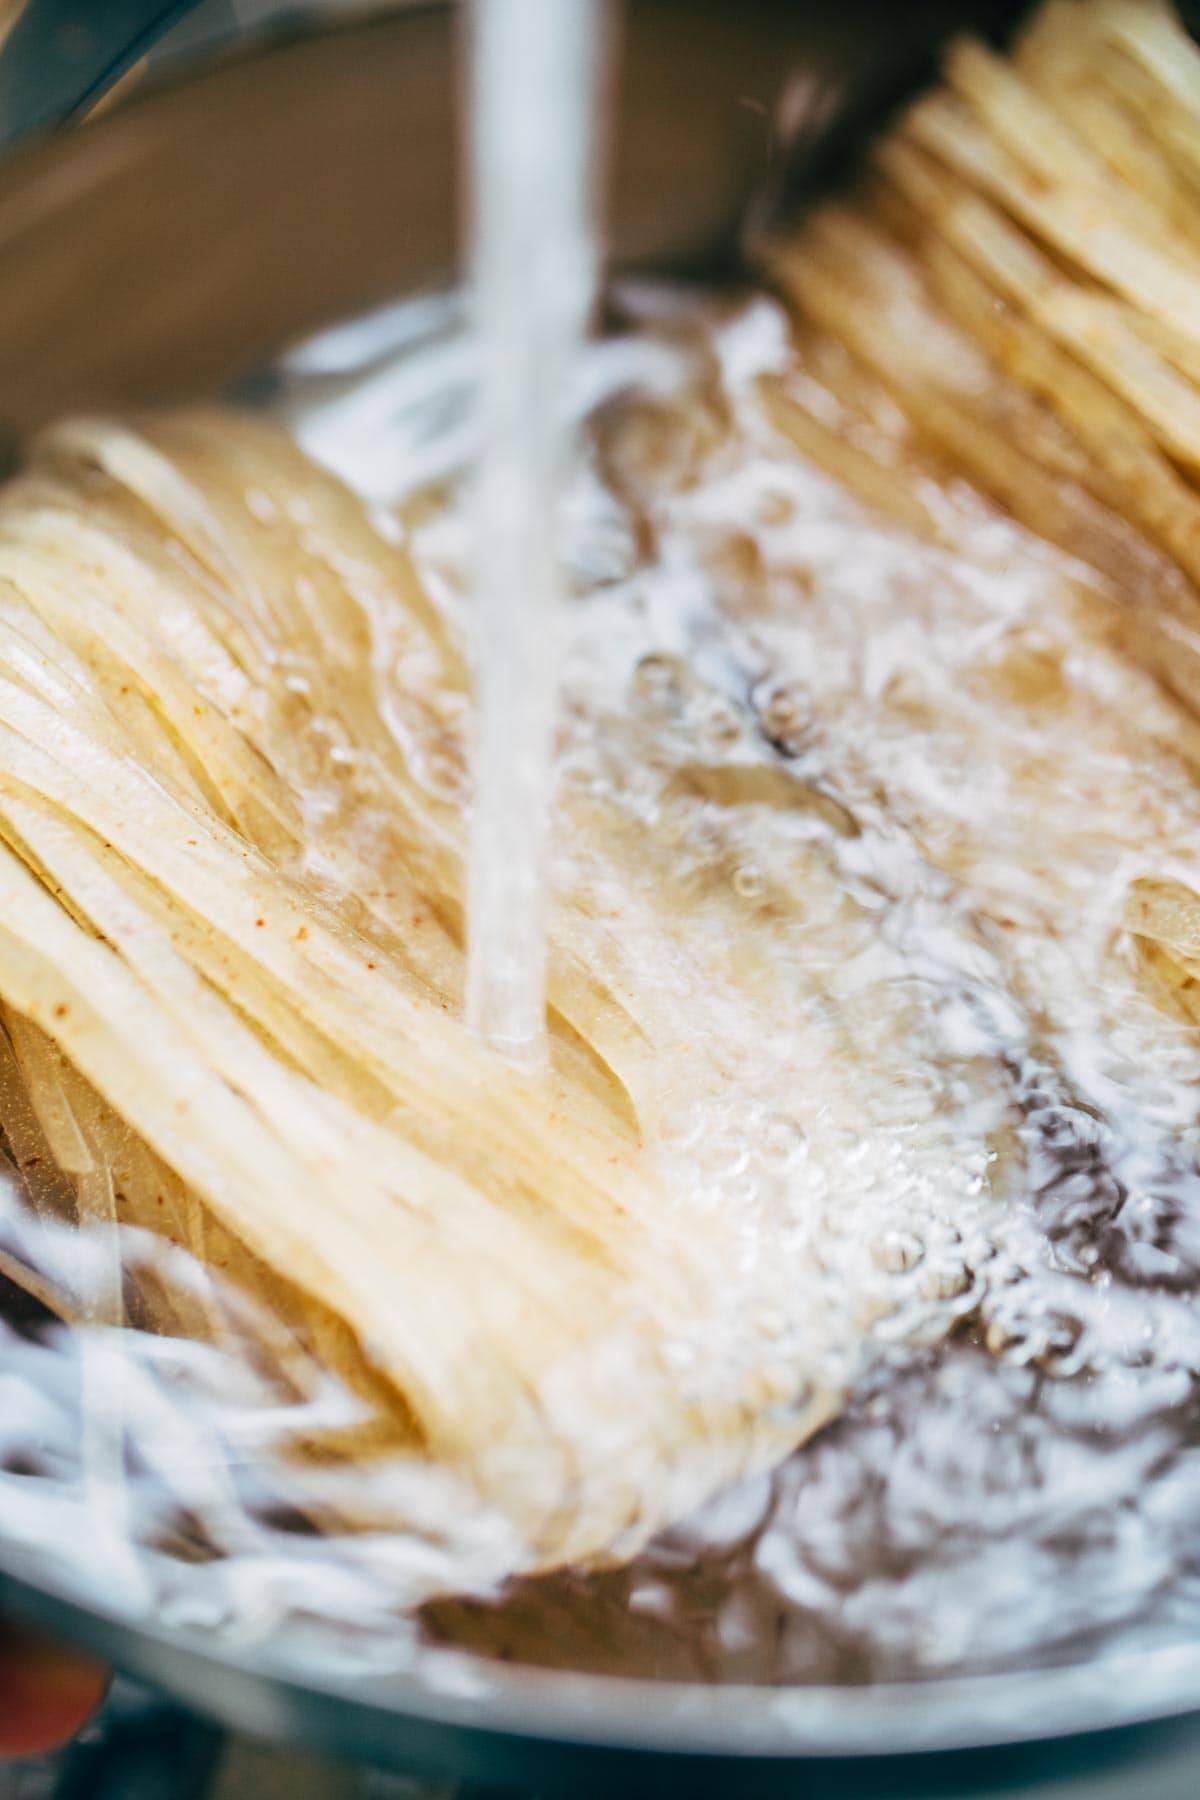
x: 873, y: 922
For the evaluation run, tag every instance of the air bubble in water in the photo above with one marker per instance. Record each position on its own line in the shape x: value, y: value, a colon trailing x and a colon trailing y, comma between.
x: 948, y: 1282
x: 1003, y: 1338
x: 748, y: 882
x: 896, y: 1252
x: 784, y: 714
x: 784, y: 1139
x: 659, y: 678
x: 718, y: 726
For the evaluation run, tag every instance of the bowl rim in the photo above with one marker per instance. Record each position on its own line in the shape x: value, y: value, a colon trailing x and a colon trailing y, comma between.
x: 260, y: 1688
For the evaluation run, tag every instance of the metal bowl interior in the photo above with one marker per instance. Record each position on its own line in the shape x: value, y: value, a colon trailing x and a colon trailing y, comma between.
x: 182, y: 236
x: 160, y: 252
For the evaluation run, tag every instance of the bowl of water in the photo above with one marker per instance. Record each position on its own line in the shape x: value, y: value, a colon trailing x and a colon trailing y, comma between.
x: 983, y: 1570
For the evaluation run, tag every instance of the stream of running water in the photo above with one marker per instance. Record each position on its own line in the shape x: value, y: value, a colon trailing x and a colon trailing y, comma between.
x: 532, y: 129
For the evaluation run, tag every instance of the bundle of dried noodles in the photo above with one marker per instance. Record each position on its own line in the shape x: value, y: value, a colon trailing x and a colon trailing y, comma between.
x: 1020, y: 272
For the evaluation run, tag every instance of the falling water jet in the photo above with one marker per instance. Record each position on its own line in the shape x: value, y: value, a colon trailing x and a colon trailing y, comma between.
x: 534, y: 94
